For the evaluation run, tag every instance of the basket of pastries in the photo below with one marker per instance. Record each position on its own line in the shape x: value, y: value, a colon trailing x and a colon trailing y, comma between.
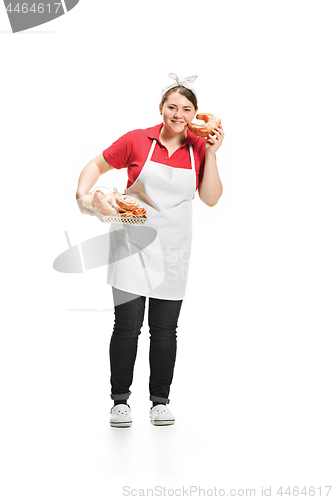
x: 114, y: 207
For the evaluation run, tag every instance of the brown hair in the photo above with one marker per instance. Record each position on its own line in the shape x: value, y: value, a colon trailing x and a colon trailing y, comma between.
x: 183, y: 91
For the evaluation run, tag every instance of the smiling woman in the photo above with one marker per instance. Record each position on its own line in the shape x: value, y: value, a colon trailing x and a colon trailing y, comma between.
x: 166, y: 164
x: 177, y: 111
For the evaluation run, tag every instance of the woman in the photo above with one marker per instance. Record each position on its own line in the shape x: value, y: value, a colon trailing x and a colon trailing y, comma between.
x: 165, y: 165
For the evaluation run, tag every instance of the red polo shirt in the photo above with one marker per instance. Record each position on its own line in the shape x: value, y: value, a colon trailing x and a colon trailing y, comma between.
x: 131, y: 151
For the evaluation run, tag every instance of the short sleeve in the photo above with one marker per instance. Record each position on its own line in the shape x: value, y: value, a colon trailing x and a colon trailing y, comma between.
x: 119, y: 154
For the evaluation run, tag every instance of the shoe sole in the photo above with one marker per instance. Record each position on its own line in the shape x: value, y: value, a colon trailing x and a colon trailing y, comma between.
x: 162, y: 422
x: 122, y: 424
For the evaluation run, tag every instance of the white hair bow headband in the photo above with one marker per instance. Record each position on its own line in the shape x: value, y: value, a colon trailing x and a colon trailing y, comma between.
x: 185, y: 82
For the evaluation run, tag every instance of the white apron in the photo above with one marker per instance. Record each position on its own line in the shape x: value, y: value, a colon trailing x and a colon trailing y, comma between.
x: 161, y: 269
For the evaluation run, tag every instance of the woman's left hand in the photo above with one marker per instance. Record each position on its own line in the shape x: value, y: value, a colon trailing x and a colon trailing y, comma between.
x: 214, y: 140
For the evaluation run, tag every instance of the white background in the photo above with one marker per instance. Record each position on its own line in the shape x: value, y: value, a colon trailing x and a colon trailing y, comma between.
x: 252, y: 390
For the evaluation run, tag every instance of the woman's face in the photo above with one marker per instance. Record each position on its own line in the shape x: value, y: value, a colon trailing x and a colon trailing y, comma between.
x: 177, y: 112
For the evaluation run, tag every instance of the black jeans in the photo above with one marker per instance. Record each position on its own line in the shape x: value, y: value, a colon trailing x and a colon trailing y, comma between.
x: 162, y: 320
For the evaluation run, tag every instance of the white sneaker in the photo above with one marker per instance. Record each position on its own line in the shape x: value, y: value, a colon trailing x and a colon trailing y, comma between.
x: 120, y: 416
x: 161, y: 415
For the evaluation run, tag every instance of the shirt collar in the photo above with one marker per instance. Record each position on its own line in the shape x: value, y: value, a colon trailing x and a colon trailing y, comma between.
x: 154, y: 133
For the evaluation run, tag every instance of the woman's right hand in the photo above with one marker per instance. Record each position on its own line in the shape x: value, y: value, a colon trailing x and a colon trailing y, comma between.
x: 80, y: 200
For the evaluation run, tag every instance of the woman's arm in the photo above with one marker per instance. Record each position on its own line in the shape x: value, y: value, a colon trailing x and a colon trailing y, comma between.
x: 211, y: 189
x: 90, y: 175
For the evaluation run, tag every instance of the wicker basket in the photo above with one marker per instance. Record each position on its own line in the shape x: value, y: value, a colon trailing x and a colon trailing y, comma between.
x: 115, y: 219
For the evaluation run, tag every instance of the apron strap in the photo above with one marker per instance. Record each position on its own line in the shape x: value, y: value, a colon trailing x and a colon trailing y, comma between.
x: 151, y: 150
x: 192, y: 157
x: 150, y: 154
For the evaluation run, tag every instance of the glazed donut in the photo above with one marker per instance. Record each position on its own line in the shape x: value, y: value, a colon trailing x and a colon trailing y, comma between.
x: 139, y: 212
x: 102, y: 205
x: 203, y: 130
x: 127, y: 203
